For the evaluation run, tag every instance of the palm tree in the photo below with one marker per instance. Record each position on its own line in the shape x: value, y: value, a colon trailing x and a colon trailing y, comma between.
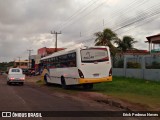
x: 126, y: 43
x: 105, y: 38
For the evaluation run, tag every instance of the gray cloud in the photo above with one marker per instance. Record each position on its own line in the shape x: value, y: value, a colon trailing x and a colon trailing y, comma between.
x: 26, y: 24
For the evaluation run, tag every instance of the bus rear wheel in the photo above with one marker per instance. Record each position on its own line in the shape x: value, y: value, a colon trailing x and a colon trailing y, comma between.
x: 63, y: 83
x: 45, y: 80
x: 88, y: 86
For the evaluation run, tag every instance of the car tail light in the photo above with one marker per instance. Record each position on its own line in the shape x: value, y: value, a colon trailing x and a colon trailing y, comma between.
x: 110, y: 72
x: 80, y: 73
x: 11, y: 78
x: 21, y: 78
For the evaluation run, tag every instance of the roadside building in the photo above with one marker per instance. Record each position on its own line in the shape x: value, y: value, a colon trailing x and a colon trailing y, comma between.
x: 47, y: 51
x: 41, y: 52
x: 154, y: 43
x: 21, y: 64
x: 34, y: 63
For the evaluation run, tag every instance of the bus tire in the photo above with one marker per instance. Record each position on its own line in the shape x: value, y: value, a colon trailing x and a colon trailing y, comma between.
x: 88, y: 86
x: 45, y: 79
x: 63, y: 83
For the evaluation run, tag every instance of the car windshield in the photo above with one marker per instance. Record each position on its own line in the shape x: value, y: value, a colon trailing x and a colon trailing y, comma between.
x: 15, y: 70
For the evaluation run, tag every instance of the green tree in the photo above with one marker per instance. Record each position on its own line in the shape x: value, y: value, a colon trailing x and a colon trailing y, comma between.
x: 106, y: 38
x: 126, y: 43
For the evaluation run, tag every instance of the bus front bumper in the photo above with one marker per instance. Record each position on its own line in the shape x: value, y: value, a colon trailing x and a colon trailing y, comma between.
x: 95, y: 80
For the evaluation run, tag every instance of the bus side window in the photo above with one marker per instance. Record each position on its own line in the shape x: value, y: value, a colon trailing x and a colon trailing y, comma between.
x: 72, y: 59
x: 72, y: 64
x: 63, y: 65
x: 58, y: 65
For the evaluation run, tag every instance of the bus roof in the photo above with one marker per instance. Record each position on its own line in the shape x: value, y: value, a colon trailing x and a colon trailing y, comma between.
x: 71, y: 49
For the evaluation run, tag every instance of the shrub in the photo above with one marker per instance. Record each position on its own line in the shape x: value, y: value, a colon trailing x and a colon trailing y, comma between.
x: 155, y: 65
x: 120, y: 64
x: 133, y: 65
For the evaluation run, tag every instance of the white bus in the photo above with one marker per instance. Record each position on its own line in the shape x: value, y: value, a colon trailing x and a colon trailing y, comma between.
x: 78, y: 66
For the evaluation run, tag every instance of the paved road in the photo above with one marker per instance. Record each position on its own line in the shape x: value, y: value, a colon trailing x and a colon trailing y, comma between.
x: 27, y: 98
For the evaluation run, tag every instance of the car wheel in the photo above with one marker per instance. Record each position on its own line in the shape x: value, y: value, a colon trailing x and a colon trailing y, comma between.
x: 22, y: 83
x: 8, y: 83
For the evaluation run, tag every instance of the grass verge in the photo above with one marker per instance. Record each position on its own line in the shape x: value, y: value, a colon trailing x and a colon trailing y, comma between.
x: 132, y: 90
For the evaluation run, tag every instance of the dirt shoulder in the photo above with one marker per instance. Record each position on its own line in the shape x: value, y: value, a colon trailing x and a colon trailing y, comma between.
x: 88, y: 96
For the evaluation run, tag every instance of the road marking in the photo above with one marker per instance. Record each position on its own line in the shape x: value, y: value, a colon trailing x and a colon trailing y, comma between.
x: 23, y: 101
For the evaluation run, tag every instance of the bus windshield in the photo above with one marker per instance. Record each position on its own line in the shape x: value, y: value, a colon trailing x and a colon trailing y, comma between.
x: 94, y: 55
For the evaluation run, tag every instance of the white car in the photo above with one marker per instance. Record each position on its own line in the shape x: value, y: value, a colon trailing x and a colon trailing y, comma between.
x: 15, y: 75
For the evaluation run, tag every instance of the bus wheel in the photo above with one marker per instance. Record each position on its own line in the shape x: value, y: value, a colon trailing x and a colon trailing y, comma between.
x: 63, y: 83
x: 88, y: 86
x: 45, y: 80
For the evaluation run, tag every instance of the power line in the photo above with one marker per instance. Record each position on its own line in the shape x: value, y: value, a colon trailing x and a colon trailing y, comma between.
x: 96, y: 8
x: 80, y: 17
x: 137, y: 20
x: 150, y: 19
x: 131, y: 5
x: 74, y: 14
x: 114, y: 14
x: 133, y: 22
x: 140, y: 15
x: 138, y: 25
x: 117, y: 14
x: 129, y: 22
x: 123, y: 22
x: 86, y: 40
x: 79, y: 11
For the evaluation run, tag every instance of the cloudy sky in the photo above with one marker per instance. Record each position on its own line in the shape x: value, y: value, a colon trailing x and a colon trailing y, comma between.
x: 26, y: 24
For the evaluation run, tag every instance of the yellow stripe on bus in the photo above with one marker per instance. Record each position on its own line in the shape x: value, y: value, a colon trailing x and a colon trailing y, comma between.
x: 94, y: 80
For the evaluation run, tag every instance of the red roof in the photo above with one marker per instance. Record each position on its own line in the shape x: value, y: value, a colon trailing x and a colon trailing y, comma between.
x: 47, y: 51
x: 52, y: 50
x: 135, y: 52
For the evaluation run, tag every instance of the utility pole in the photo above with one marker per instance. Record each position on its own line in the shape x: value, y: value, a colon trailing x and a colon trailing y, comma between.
x: 29, y: 66
x: 19, y: 62
x: 103, y: 23
x: 56, y: 33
